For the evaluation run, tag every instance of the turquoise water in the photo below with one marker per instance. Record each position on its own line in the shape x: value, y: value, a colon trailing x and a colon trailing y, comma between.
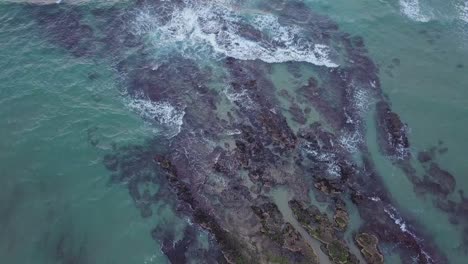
x: 57, y: 205
x: 60, y: 115
x: 427, y: 89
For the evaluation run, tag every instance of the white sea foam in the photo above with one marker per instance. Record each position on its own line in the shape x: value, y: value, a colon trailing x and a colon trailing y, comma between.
x: 233, y: 132
x: 333, y: 169
x: 361, y: 100
x: 150, y: 259
x: 402, y: 151
x: 351, y: 141
x: 393, y: 214
x: 241, y: 98
x: 214, y: 28
x: 68, y: 2
x: 412, y: 9
x: 162, y: 112
x: 398, y: 220
x: 463, y: 11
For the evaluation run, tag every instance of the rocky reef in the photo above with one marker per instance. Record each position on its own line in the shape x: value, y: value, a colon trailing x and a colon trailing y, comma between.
x: 231, y: 136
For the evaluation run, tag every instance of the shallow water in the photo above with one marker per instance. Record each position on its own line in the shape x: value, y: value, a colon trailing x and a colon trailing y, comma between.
x: 281, y: 198
x: 61, y: 114
x: 427, y: 89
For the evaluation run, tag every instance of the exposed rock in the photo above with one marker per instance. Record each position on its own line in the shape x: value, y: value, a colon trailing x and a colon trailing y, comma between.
x: 368, y: 244
x: 341, y: 218
x: 314, y: 222
x: 339, y: 253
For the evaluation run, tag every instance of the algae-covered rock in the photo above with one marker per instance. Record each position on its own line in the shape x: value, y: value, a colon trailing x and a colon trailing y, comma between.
x: 320, y: 227
x: 341, y: 218
x: 294, y: 248
x: 314, y: 222
x: 338, y: 252
x: 368, y: 245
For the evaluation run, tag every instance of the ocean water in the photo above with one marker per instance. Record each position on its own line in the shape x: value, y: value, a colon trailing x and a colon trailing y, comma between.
x: 63, y: 110
x: 427, y: 89
x: 57, y: 205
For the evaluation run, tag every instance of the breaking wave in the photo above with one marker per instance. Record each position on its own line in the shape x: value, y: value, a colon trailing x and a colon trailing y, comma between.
x: 333, y: 170
x: 398, y: 220
x: 164, y: 113
x: 217, y: 28
x: 351, y: 141
x: 412, y: 9
x: 240, y: 98
x: 463, y: 11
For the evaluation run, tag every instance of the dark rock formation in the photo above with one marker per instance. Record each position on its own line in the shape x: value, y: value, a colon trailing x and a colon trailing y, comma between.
x: 392, y: 132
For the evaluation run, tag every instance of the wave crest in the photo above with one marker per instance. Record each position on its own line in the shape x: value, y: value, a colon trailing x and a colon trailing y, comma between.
x: 463, y: 10
x: 412, y: 9
x: 164, y: 113
x: 207, y: 27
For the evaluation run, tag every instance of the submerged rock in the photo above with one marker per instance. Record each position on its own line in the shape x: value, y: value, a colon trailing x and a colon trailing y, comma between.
x: 298, y: 114
x: 65, y: 27
x: 442, y: 177
x: 424, y: 156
